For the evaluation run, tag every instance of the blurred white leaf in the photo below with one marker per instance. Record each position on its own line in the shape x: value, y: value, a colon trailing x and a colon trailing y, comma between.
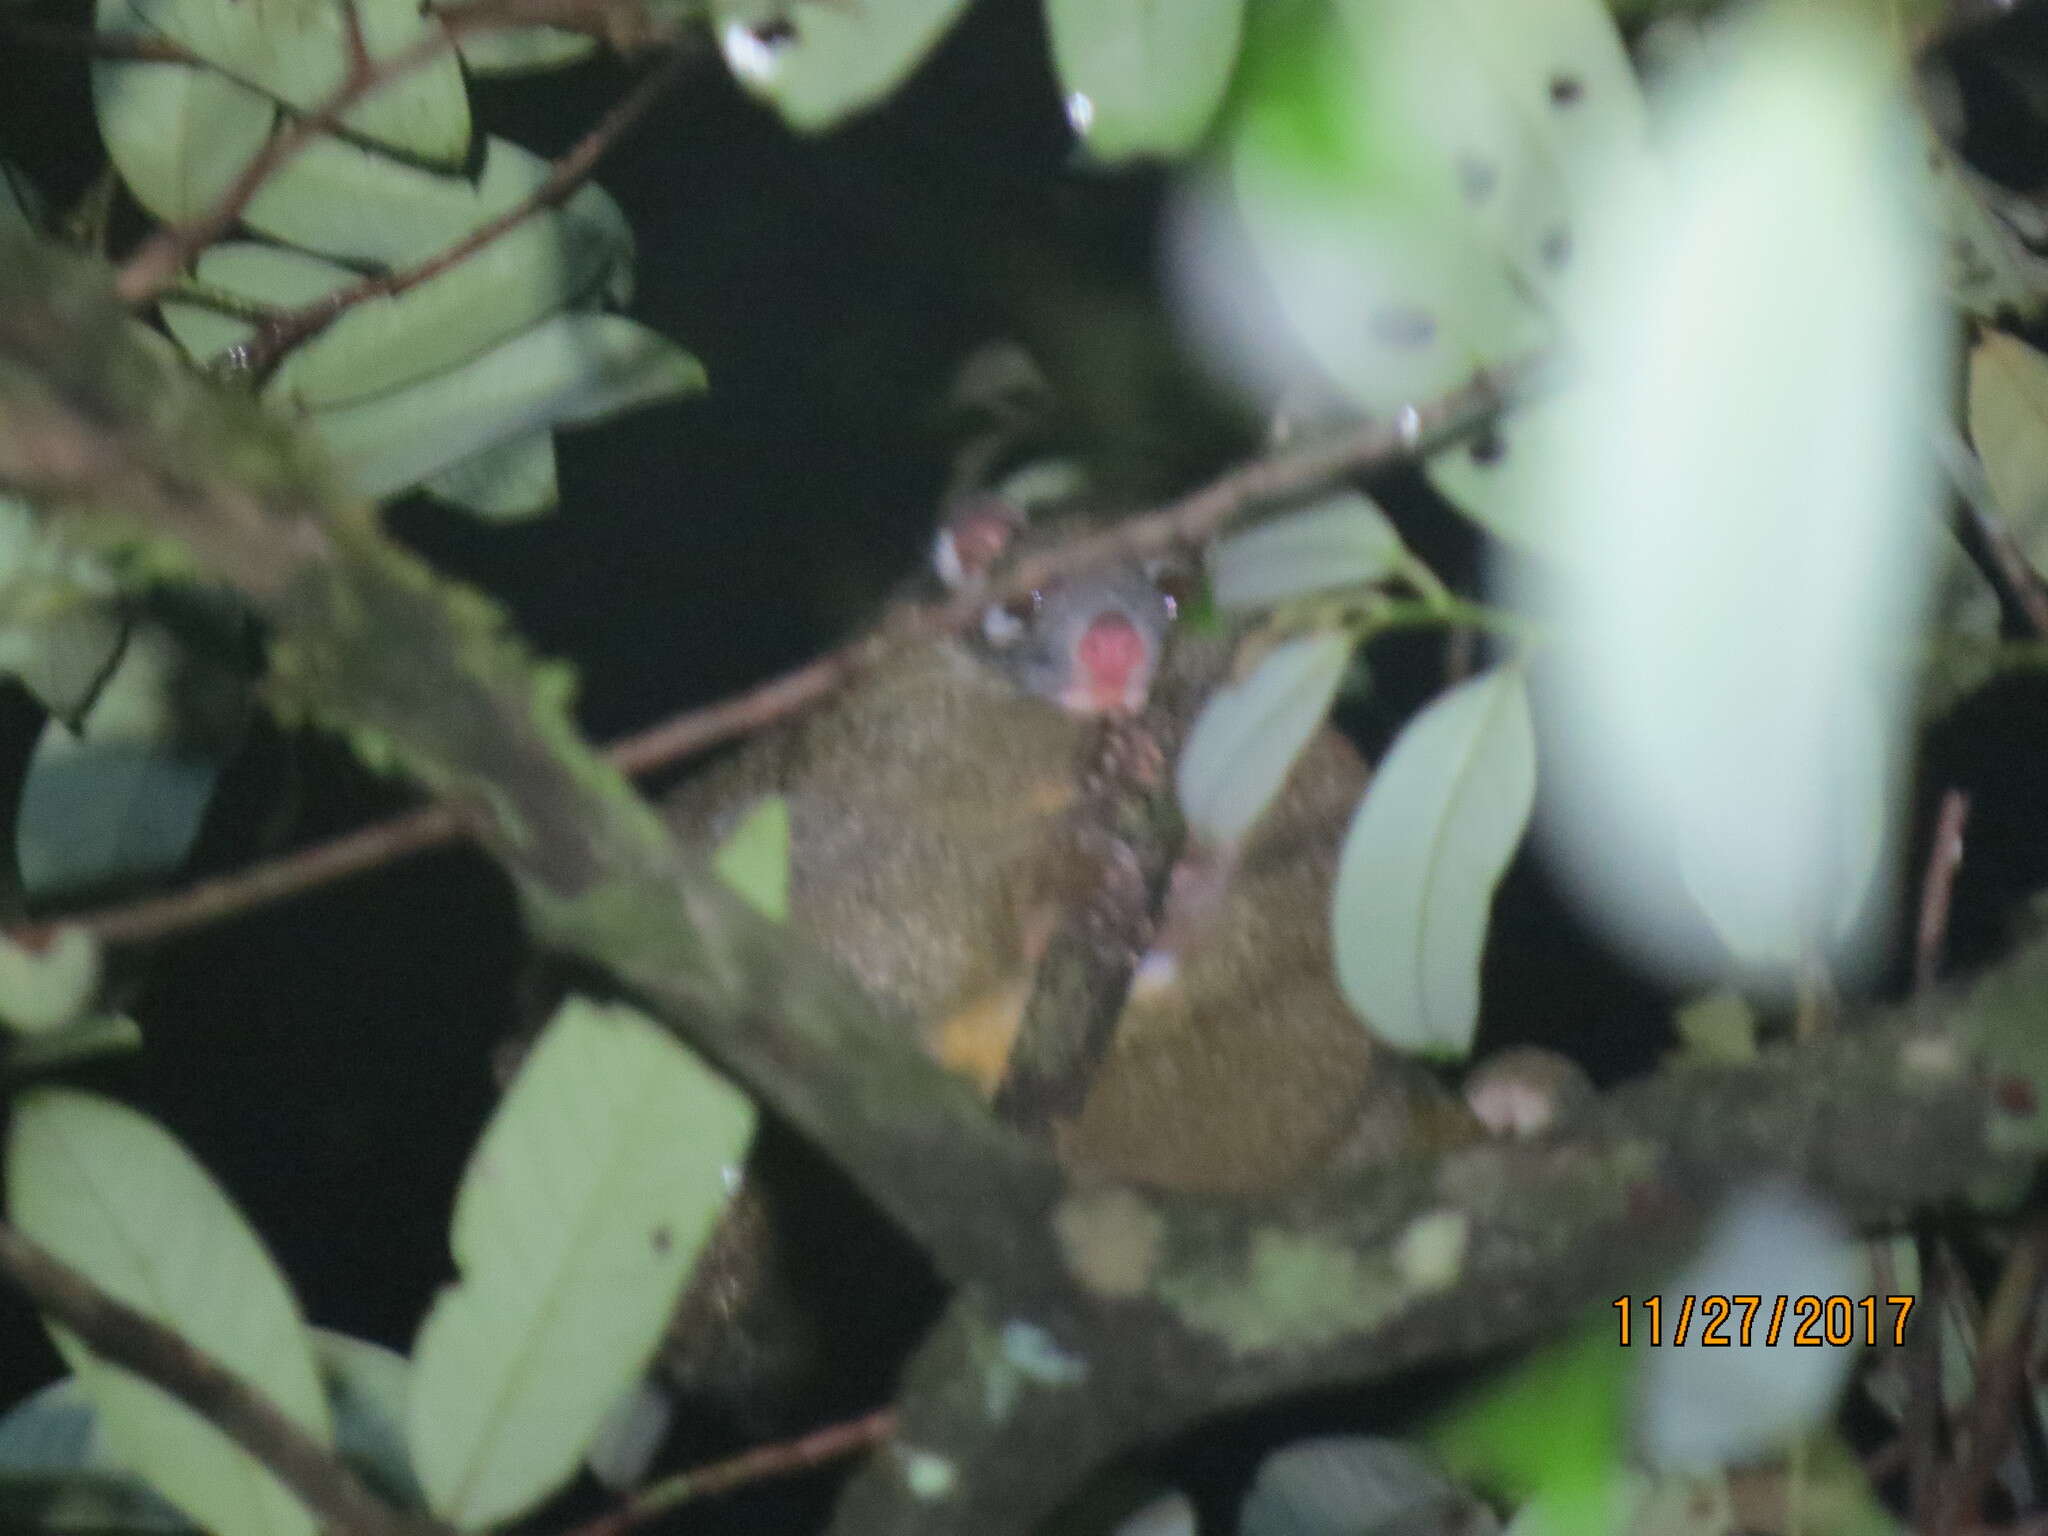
x: 1738, y: 503
x: 1704, y: 1405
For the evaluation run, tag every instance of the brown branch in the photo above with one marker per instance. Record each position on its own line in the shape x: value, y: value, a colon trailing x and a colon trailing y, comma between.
x: 122, y: 1336
x: 1937, y: 889
x: 1187, y: 520
x: 754, y: 1466
x: 280, y: 332
x: 2012, y: 573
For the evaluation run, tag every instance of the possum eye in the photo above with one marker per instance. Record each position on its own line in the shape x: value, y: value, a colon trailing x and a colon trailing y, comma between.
x: 1007, y: 623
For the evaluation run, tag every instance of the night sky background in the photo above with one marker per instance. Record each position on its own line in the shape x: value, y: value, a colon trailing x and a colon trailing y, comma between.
x: 329, y: 1059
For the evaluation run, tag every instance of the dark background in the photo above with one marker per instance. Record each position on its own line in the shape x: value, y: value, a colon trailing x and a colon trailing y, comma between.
x: 328, y: 1059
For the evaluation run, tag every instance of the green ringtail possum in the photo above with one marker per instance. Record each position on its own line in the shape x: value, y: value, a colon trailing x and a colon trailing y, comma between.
x: 933, y: 854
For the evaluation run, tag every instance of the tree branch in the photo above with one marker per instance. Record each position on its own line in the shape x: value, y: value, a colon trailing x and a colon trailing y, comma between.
x: 121, y: 1336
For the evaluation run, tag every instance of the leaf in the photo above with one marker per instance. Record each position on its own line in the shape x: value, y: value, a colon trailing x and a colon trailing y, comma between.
x: 1718, y: 1027
x: 569, y: 369
x: 1988, y: 267
x: 1704, y: 1406
x: 301, y: 54
x: 509, y: 483
x: 579, y: 1218
x: 46, y: 989
x: 1493, y: 477
x: 56, y: 1475
x: 110, y: 1193
x: 754, y: 858
x: 1408, y: 179
x: 121, y: 798
x: 53, y: 1452
x: 178, y: 134
x: 355, y: 205
x: 1740, y: 555
x: 501, y: 51
x: 66, y: 656
x: 1248, y: 735
x: 1343, y: 541
x: 367, y: 1387
x: 1442, y: 816
x: 821, y: 61
x: 2008, y: 414
x: 1142, y: 78
x: 382, y: 344
x: 1354, y: 1483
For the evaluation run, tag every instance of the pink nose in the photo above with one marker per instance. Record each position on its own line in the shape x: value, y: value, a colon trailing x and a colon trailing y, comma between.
x: 1112, y: 657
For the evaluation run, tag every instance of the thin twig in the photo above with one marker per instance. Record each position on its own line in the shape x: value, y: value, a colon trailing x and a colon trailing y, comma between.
x: 284, y: 330
x: 120, y: 1335
x: 1979, y: 510
x: 757, y: 1465
x: 1921, y: 1428
x: 1937, y: 889
x: 2001, y: 1365
x: 1188, y: 520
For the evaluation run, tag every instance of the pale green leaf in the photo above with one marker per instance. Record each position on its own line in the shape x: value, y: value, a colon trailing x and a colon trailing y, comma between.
x: 1703, y: 1405
x: 754, y: 858
x: 121, y: 797
x: 1343, y: 541
x: 569, y: 369
x: 523, y: 50
x: 356, y: 205
x: 506, y: 484
x: 1720, y: 1026
x: 821, y: 61
x: 262, y: 274
x: 1248, y: 735
x: 381, y: 344
x: 56, y: 1474
x: 2008, y: 416
x: 1142, y: 78
x: 579, y: 1218
x: 1446, y: 808
x: 1989, y: 269
x: 109, y: 1192
x: 299, y: 52
x: 46, y: 989
x: 1740, y: 554
x: 64, y: 657
x: 178, y: 134
x: 1409, y: 179
x: 367, y: 1389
